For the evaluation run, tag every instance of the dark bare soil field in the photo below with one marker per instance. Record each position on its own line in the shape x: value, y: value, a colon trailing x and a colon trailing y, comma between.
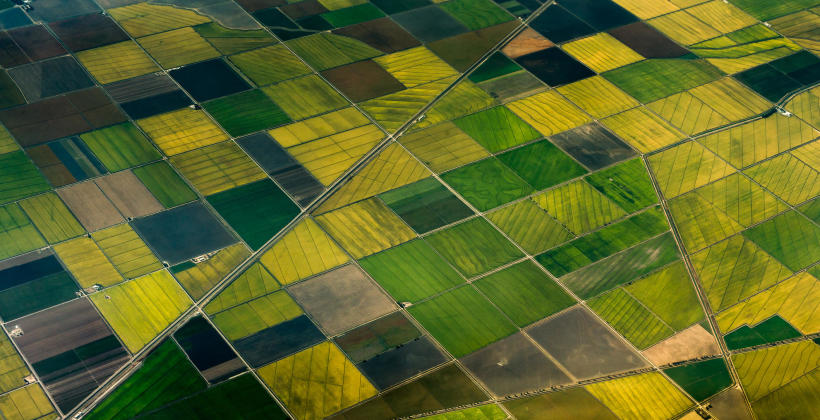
x: 512, y: 365
x: 398, y: 364
x: 593, y: 146
x: 583, y: 345
x: 647, y: 41
x: 279, y: 341
x: 88, y: 31
x: 363, y: 80
x: 382, y: 34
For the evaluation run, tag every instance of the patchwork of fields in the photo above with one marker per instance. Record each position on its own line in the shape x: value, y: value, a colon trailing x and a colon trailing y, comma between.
x: 371, y: 209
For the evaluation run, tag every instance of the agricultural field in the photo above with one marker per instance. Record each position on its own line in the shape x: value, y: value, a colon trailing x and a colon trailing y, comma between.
x: 377, y: 209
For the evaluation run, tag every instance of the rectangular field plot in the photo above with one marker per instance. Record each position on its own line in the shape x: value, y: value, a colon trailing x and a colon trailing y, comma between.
x: 542, y: 164
x: 473, y: 247
x: 246, y: 112
x: 126, y: 251
x: 278, y: 341
x: 426, y: 205
x: 462, y: 320
x: 443, y: 147
x: 128, y: 194
x: 398, y: 364
x: 91, y: 207
x: 29, y: 402
x: 583, y: 345
x: 164, y: 376
x: 88, y: 31
x: 87, y: 262
x: 640, y: 326
x: 65, y: 161
x: 208, y: 351
x: 182, y: 130
x: 800, y: 249
x: 376, y: 337
x: 33, y: 282
x: 529, y: 226
x: 305, y: 97
x: 178, y: 47
x: 623, y: 267
x: 12, y: 367
x: 254, y: 64
x: 256, y: 211
x: 182, y: 233
x: 513, y: 365
x: 17, y: 233
x: 572, y: 402
x: 593, y: 146
x: 19, y: 178
x: 120, y: 146
x: 257, y: 314
x: 312, y: 371
x: 139, y: 309
x: 446, y: 387
x: 48, y: 78
x: 524, y: 293
x: 217, y: 168
x: 200, y: 277
x: 71, y: 349
x: 649, y: 395
x: 366, y: 227
x: 148, y: 95
x: 411, y: 271
x: 302, y: 252
x: 284, y: 169
x: 579, y: 206
x: 327, y: 298
x: 116, y: 62
x: 627, y: 184
x: 487, y: 184
x: 165, y: 184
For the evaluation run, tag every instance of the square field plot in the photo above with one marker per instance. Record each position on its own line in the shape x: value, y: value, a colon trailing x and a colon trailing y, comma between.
x: 462, y: 320
x: 583, y: 345
x: 90, y: 205
x: 513, y: 365
x: 256, y: 211
x: 70, y: 348
x: 128, y: 194
x: 209, y: 80
x: 184, y: 232
x: 474, y: 247
x: 330, y: 296
x: 281, y: 340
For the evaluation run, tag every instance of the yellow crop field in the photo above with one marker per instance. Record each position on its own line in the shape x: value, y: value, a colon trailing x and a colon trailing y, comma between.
x: 305, y: 96
x: 731, y: 98
x: 115, y: 62
x: 684, y: 28
x: 763, y: 371
x: 200, y: 278
x: 809, y: 154
x: 393, y: 110
x: 255, y: 64
x: 182, y: 130
x: 126, y: 250
x: 255, y: 282
x: 699, y: 222
x: 7, y: 143
x: 686, y: 167
x: 217, y: 168
x: 178, y: 47
x: 579, y: 206
x: 394, y: 167
x: 807, y: 106
x: 647, y: 9
x: 443, y: 147
x: 601, y: 52
x: 796, y: 300
x: 643, y: 130
x: 139, y: 309
x: 256, y: 315
x: 688, y: 113
x: 304, y: 251
x: 465, y: 98
x: 12, y: 367
x: 716, y: 268
x: 27, y: 403
x: 645, y: 396
x: 340, y: 4
x: 742, y: 200
x: 87, y: 262
x: 530, y: 226
x: 317, y: 382
x: 788, y: 178
x: 329, y: 157
x: 800, y: 27
x: 598, y: 96
x: 415, y: 66
x: 318, y: 127
x: 754, y: 141
x: 722, y: 16
x: 549, y: 113
x: 366, y: 227
x: 144, y: 18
